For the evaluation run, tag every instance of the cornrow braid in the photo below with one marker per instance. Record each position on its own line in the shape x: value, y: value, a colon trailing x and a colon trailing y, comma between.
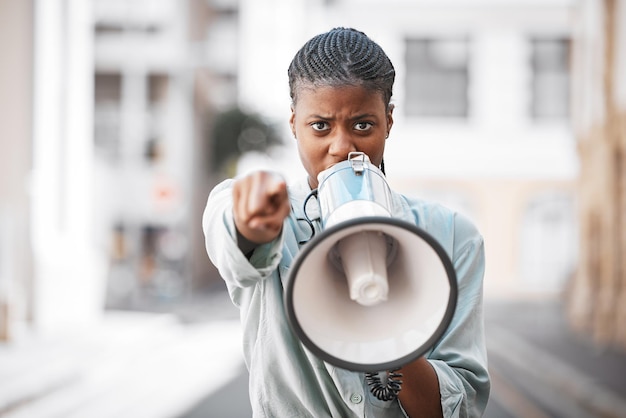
x: 342, y: 56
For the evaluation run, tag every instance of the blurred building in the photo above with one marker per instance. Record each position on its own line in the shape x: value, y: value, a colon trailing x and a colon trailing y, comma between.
x: 597, y: 295
x: 482, y: 116
x: 108, y: 105
x: 16, y: 37
x: 104, y: 173
x: 162, y: 69
x: 52, y: 276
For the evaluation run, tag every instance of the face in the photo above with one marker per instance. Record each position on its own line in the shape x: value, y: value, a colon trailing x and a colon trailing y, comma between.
x: 329, y: 122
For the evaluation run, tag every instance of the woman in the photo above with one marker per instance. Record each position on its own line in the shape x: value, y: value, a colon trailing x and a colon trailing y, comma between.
x: 341, y: 86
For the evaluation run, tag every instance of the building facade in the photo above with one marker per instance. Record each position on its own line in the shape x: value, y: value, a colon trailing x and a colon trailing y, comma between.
x: 496, y: 104
x: 597, y: 295
x: 481, y: 119
x: 104, y: 172
x: 162, y: 70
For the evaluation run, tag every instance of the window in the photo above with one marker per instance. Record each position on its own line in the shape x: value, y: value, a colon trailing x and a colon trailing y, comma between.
x: 107, y: 116
x: 437, y: 77
x: 548, y: 241
x: 550, y: 78
x: 158, y: 89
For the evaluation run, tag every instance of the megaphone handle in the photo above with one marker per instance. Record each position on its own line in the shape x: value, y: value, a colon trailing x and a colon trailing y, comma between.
x: 385, y: 392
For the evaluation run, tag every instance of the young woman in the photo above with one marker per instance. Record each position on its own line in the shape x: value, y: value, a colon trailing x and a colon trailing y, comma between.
x: 341, y: 86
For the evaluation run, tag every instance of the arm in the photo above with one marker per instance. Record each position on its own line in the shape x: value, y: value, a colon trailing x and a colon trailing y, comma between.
x: 460, y: 357
x: 454, y: 374
x: 420, y: 390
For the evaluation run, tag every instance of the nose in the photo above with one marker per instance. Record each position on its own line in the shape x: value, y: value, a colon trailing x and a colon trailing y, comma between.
x: 342, y: 144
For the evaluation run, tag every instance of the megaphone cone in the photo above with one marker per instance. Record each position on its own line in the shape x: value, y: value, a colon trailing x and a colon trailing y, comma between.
x: 370, y: 294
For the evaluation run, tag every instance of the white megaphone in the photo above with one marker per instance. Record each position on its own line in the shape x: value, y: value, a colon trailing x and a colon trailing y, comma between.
x: 370, y: 292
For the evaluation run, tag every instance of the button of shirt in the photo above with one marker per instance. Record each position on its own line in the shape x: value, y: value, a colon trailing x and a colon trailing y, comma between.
x: 356, y: 398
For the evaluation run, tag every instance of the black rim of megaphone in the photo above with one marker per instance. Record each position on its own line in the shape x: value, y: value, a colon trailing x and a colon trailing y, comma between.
x: 360, y: 367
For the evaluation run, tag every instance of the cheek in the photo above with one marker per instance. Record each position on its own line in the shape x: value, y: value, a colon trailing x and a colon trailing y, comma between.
x: 376, y: 154
x: 312, y: 156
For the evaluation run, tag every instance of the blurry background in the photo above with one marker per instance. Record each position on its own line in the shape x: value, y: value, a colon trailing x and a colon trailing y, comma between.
x: 119, y: 116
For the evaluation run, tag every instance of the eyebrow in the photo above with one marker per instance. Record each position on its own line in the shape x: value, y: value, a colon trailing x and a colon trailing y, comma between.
x: 364, y: 116
x: 353, y: 118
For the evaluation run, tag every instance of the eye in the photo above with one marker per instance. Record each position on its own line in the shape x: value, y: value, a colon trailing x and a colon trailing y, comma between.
x: 363, y: 126
x: 319, y: 126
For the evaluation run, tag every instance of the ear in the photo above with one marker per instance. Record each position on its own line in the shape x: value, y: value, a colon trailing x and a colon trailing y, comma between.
x: 390, y: 117
x: 292, y: 121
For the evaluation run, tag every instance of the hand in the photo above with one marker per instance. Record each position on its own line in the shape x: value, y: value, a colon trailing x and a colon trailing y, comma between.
x: 260, y: 205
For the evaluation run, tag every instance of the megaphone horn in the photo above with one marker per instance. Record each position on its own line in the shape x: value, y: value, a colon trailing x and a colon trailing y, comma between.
x: 370, y: 292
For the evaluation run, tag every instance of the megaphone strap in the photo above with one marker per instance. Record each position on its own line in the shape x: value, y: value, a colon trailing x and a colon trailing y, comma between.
x: 306, y: 218
x: 388, y: 391
x: 305, y: 204
x: 310, y: 224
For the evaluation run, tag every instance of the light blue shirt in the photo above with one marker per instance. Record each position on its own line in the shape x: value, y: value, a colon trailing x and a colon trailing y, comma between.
x: 287, y: 380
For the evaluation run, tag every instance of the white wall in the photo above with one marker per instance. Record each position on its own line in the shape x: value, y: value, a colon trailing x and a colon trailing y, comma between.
x: 497, y: 139
x: 15, y: 163
x: 69, y: 274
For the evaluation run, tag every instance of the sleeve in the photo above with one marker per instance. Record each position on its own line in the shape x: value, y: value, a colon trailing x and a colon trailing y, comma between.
x: 220, y: 237
x: 460, y: 357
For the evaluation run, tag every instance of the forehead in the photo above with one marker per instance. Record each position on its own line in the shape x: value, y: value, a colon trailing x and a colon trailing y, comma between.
x: 339, y: 96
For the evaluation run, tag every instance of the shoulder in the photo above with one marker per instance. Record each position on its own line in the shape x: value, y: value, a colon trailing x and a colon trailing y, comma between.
x: 225, y: 186
x: 446, y: 225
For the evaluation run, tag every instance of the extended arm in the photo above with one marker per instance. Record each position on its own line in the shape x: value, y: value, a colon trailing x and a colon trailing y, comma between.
x: 260, y: 205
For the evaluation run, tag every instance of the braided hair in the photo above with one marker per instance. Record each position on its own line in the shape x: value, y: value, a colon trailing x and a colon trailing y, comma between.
x: 342, y: 56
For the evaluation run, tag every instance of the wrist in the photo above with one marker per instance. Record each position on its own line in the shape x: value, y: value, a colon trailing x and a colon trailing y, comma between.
x: 246, y: 246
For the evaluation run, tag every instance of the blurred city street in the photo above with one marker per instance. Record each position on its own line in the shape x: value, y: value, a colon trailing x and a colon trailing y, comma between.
x: 188, y: 364
x: 121, y: 116
x: 538, y: 369
x: 131, y: 364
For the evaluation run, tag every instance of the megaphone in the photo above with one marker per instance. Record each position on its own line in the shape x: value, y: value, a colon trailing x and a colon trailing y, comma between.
x: 370, y: 292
